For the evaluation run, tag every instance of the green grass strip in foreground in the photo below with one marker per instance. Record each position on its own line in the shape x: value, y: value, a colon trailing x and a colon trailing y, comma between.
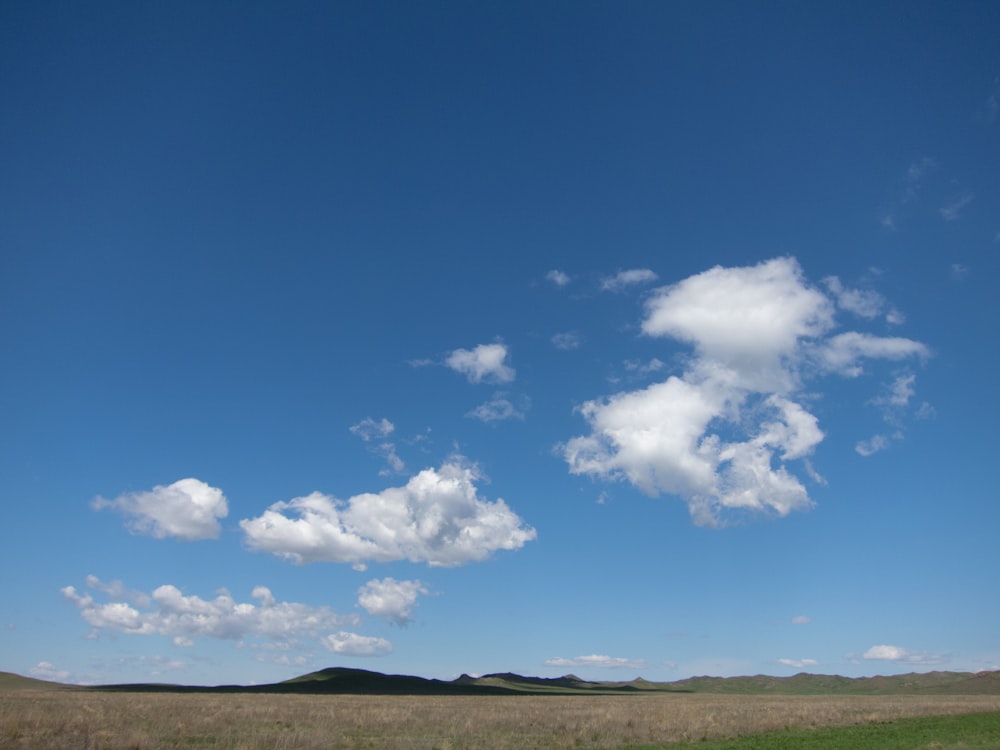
x: 960, y: 732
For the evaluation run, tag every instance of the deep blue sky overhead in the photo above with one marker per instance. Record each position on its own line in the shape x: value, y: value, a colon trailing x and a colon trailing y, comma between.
x: 605, y: 338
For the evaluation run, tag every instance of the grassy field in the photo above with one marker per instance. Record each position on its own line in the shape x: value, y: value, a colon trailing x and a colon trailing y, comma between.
x: 48, y: 719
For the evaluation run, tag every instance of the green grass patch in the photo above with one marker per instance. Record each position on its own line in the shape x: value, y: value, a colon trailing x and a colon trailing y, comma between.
x: 959, y: 732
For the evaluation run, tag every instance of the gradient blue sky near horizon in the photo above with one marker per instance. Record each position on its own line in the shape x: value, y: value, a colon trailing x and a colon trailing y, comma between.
x: 608, y: 338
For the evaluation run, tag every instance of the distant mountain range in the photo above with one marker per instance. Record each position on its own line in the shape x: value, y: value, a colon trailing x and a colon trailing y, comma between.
x: 344, y: 680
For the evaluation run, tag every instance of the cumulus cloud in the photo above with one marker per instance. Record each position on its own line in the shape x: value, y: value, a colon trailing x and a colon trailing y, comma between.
x: 352, y: 644
x: 557, y: 277
x: 390, y: 598
x: 484, y: 363
x: 895, y: 653
x: 188, y: 509
x: 722, y: 434
x: 798, y: 663
x: 437, y: 518
x: 624, y: 279
x: 169, y: 612
x: 598, y: 660
x: 498, y: 409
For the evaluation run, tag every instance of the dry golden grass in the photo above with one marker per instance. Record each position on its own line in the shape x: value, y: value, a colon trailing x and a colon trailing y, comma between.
x: 50, y: 719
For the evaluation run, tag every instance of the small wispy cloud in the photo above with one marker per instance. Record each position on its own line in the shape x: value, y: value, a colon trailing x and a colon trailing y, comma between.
x: 567, y: 340
x: 624, y: 279
x: 959, y: 271
x: 557, y: 277
x: 798, y: 663
x: 598, y: 660
x: 499, y: 408
x: 872, y: 445
x: 953, y: 209
x: 370, y: 430
x: 483, y: 363
x: 352, y: 644
x: 801, y: 620
x: 895, y: 653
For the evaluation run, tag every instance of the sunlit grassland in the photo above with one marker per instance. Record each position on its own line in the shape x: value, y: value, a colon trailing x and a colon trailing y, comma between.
x: 49, y: 719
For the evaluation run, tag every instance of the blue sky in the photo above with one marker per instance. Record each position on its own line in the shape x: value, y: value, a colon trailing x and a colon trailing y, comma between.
x: 605, y: 338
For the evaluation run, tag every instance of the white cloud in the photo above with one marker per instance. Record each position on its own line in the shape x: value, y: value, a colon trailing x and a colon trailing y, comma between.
x: 188, y: 509
x: 749, y: 321
x: 841, y: 353
x: 352, y: 644
x: 170, y: 613
x: 637, y: 366
x: 437, y: 518
x: 798, y: 663
x: 801, y: 620
x: 624, y: 279
x: 598, y: 660
x: 559, y: 278
x: 959, y: 271
x: 368, y: 429
x: 486, y: 363
x: 45, y: 670
x: 895, y: 653
x: 567, y: 340
x: 953, y: 210
x: 390, y: 598
x: 872, y: 445
x: 497, y: 409
x: 721, y: 434
x: 865, y: 303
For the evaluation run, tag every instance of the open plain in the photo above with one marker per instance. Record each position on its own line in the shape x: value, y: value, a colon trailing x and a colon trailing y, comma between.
x: 54, y: 719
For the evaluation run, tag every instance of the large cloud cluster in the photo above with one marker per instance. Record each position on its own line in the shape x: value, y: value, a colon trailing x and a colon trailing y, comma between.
x: 720, y: 434
x: 169, y: 612
x: 437, y: 518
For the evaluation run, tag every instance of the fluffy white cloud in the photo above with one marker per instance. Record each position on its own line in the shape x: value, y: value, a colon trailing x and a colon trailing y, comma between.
x: 437, y: 518
x: 557, y: 277
x: 625, y: 279
x: 486, y: 362
x: 798, y: 663
x: 390, y: 598
x: 352, y: 644
x: 598, y: 660
x: 721, y: 434
x: 747, y: 321
x: 169, y: 612
x: 188, y: 509
x: 895, y: 653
